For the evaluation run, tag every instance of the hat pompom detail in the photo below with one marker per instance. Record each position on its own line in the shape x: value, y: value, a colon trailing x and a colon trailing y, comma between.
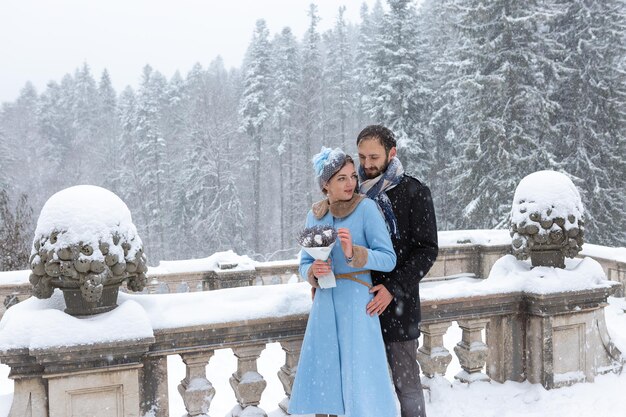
x: 320, y: 159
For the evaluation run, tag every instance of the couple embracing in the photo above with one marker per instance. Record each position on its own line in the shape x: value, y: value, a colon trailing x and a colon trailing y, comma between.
x: 388, y: 241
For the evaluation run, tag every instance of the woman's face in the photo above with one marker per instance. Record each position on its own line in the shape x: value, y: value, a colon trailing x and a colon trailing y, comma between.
x: 341, y: 186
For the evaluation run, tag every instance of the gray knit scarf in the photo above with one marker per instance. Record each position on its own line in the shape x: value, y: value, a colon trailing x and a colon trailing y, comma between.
x: 376, y: 189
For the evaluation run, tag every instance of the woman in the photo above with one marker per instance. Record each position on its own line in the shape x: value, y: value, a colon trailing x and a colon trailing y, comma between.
x: 343, y: 368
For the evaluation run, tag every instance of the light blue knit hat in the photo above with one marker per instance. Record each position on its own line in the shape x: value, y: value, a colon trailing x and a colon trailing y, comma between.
x: 327, y: 163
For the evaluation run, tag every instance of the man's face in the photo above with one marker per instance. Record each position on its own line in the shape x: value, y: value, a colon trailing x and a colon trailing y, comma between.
x: 373, y: 158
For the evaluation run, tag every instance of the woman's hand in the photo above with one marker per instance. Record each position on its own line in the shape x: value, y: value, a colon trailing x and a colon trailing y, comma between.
x: 346, y: 241
x: 321, y: 268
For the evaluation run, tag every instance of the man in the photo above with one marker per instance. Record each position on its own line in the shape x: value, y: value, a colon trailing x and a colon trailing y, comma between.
x: 410, y: 216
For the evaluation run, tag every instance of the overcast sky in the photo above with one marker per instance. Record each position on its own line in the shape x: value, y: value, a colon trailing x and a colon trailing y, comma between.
x: 42, y: 40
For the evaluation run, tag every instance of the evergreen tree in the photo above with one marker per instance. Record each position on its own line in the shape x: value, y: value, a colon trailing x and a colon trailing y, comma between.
x: 152, y: 152
x: 56, y: 126
x: 310, y: 101
x: 208, y: 198
x: 16, y: 231
x: 18, y: 122
x: 400, y: 96
x: 442, y: 68
x: 287, y: 71
x: 85, y: 124
x: 107, y: 133
x: 507, y: 109
x: 128, y: 177
x: 6, y: 162
x: 197, y: 187
x: 373, y: 62
x: 339, y: 71
x: 365, y: 64
x: 254, y: 112
x: 223, y: 126
x: 592, y: 99
x: 173, y: 121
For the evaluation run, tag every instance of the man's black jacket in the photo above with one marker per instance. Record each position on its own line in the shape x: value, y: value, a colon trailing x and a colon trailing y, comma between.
x: 416, y: 249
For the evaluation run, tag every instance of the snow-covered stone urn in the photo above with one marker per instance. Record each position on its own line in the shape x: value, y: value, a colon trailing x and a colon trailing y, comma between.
x: 547, y: 219
x: 86, y: 244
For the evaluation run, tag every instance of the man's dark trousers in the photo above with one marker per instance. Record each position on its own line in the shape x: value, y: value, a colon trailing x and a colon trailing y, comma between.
x: 406, y: 377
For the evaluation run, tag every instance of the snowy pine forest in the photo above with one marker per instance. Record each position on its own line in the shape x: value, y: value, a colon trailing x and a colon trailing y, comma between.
x: 480, y: 93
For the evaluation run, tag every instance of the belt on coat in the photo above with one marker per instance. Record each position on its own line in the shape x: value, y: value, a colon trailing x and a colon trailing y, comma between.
x: 353, y: 277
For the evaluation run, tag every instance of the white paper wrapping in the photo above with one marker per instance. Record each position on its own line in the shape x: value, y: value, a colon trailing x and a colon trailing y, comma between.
x: 322, y: 253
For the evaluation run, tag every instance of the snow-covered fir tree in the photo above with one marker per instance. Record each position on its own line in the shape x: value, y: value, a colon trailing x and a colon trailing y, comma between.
x: 254, y: 112
x: 224, y: 101
x: 152, y: 156
x: 207, y: 197
x: 19, y: 122
x: 310, y: 100
x: 401, y: 99
x: 6, y: 162
x: 287, y: 72
x: 173, y: 121
x: 507, y: 108
x: 438, y: 40
x: 361, y: 65
x: 128, y: 177
x: 371, y: 62
x: 85, y: 123
x: 16, y: 223
x: 56, y: 128
x: 338, y: 74
x: 107, y: 134
x: 592, y: 102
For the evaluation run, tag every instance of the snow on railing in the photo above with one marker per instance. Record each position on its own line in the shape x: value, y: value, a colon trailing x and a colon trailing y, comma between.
x: 511, y: 330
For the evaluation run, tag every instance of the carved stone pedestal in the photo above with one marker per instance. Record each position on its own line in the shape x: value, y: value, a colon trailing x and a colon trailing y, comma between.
x: 99, y: 380
x: 563, y: 349
x: 101, y: 393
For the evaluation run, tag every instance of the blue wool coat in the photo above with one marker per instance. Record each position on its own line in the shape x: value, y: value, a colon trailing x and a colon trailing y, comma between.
x: 343, y: 366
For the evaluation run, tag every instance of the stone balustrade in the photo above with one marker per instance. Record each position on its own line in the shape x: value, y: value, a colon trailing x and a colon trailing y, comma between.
x: 553, y: 339
x: 614, y: 267
x: 453, y: 260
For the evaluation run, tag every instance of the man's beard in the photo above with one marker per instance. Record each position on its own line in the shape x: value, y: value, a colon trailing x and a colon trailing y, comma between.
x: 370, y: 175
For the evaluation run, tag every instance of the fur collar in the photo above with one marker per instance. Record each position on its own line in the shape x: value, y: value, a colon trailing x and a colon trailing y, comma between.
x: 338, y: 209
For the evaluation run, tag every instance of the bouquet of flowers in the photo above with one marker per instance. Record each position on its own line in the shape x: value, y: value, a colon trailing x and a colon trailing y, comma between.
x: 318, y: 241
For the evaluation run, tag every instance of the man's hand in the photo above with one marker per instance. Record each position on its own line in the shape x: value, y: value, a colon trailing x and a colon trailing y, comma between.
x: 381, y: 300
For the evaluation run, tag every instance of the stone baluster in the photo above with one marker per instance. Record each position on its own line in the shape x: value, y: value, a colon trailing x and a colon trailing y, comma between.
x: 196, y: 390
x: 472, y: 351
x: 153, y: 390
x: 247, y: 382
x: 287, y: 373
x: 433, y: 356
